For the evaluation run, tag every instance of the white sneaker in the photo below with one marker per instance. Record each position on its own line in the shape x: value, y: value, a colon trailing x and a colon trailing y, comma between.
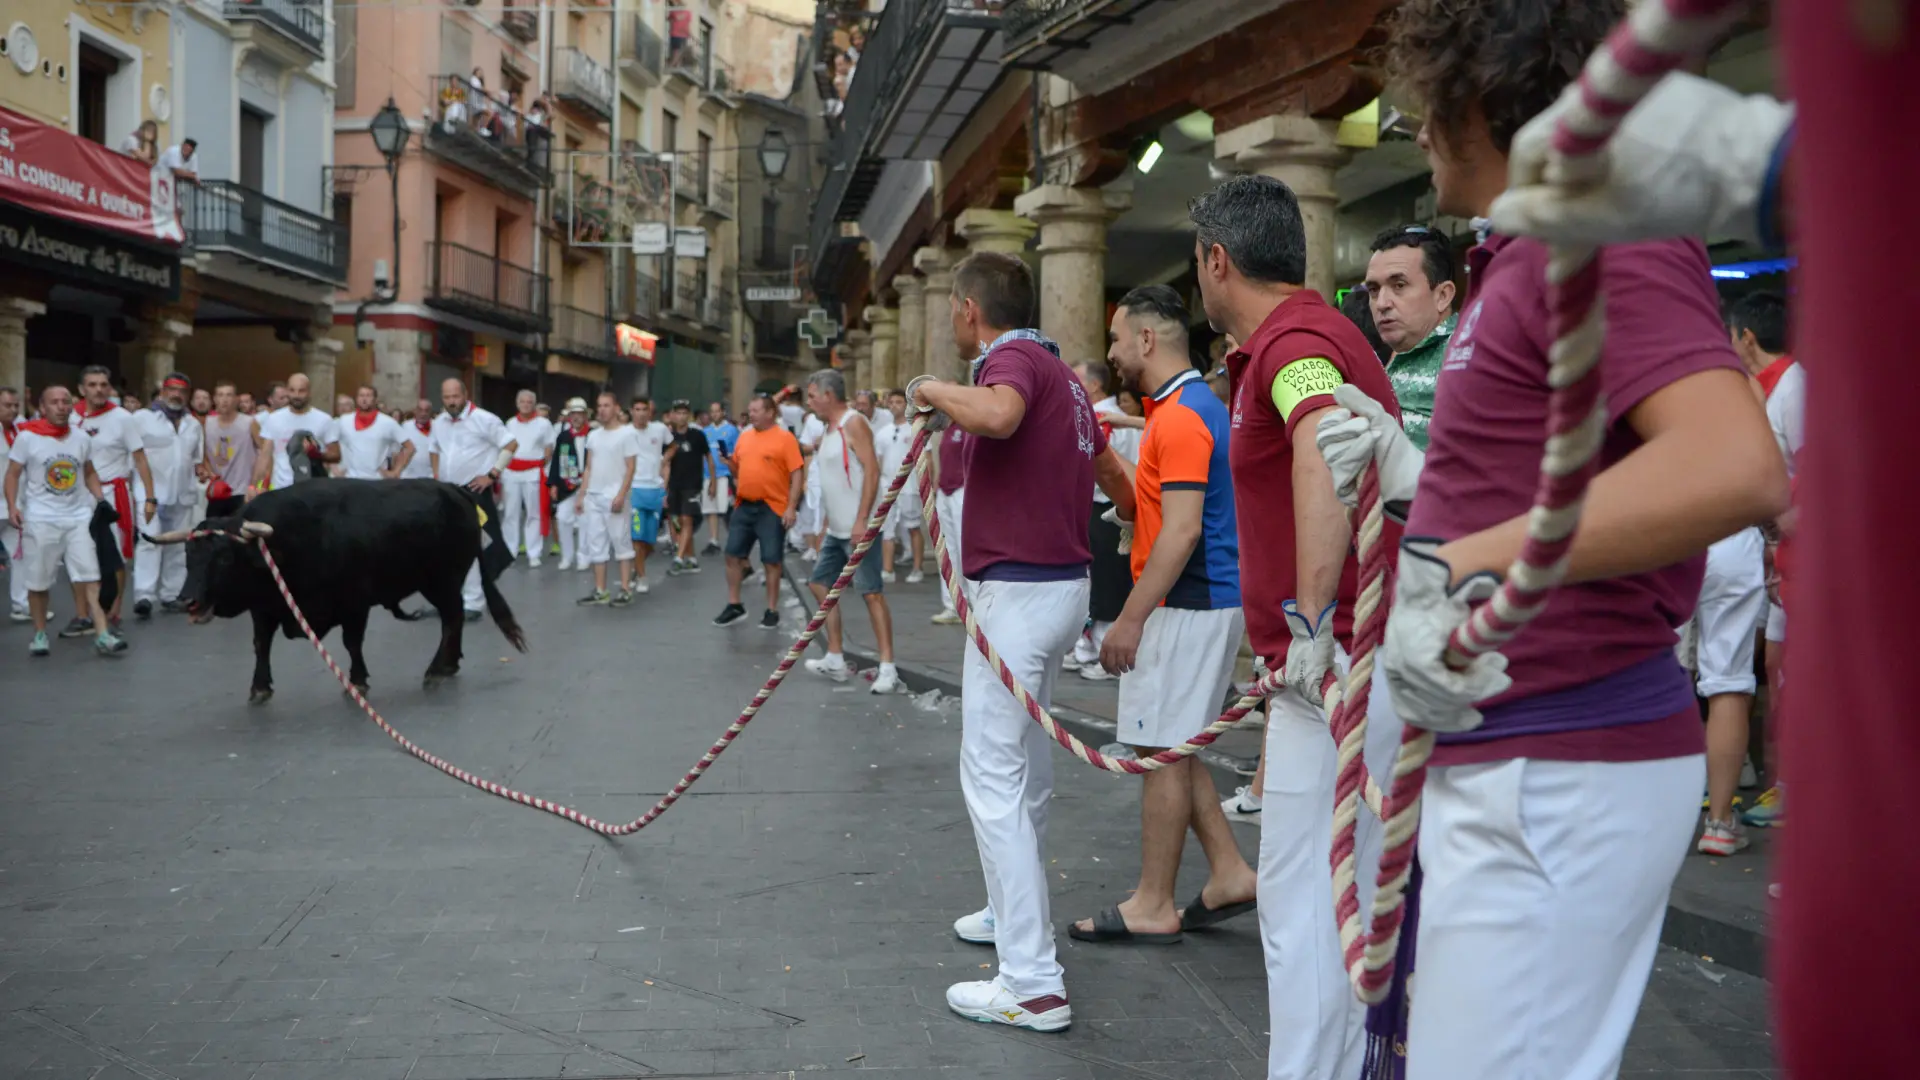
x: 991, y: 1003
x: 1243, y: 805
x: 640, y: 585
x: 888, y: 681
x: 1071, y: 662
x: 915, y: 577
x: 533, y: 564
x: 565, y: 565
x: 976, y: 928
x: 1723, y: 838
x: 886, y: 576
x: 833, y: 666
x: 1095, y: 673
x: 21, y: 614
x: 945, y: 618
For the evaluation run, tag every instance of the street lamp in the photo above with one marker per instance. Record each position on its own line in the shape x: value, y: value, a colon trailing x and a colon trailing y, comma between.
x: 774, y: 154
x: 390, y: 134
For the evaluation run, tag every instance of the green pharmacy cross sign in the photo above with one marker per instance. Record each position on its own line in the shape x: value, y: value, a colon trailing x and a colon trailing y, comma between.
x: 818, y: 328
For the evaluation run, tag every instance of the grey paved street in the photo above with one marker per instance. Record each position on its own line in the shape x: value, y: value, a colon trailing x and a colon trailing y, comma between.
x: 192, y: 888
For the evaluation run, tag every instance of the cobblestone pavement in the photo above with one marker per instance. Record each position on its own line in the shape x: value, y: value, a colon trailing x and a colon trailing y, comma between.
x: 192, y: 888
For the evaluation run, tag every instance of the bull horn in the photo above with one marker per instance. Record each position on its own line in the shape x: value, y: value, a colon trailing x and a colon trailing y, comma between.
x: 177, y: 536
x: 256, y: 529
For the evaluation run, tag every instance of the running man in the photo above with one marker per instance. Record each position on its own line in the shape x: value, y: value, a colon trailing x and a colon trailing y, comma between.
x: 849, y: 488
x: 52, y: 488
x: 1036, y: 446
x: 612, y: 453
x: 689, y: 470
x: 520, y: 486
x: 118, y: 456
x: 1174, y: 644
x: 770, y: 471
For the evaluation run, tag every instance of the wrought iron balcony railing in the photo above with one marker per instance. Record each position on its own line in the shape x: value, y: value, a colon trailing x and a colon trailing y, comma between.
x: 482, y: 133
x: 224, y: 216
x: 585, y: 334
x: 520, y: 22
x: 643, y: 53
x: 583, y: 81
x: 486, y: 287
x: 301, y: 21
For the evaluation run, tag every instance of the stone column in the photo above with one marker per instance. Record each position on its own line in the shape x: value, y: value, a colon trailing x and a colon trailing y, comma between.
x: 14, y: 313
x: 941, y: 357
x: 910, y: 359
x: 318, y: 358
x: 857, y: 345
x: 884, y: 372
x: 1003, y: 231
x: 1073, y: 277
x: 397, y: 368
x: 159, y: 343
x: 1299, y: 151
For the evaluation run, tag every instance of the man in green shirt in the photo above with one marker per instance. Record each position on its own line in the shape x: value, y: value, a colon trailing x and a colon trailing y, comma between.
x: 1410, y: 288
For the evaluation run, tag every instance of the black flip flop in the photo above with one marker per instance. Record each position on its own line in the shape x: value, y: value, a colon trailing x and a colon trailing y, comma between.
x: 1198, y: 915
x: 1110, y: 928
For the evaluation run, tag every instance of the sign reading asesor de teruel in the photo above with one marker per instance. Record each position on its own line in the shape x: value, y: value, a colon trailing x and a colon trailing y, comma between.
x: 61, y: 174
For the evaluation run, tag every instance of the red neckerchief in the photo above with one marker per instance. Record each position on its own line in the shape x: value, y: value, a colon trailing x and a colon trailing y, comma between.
x: 581, y: 431
x: 426, y: 428
x: 364, y: 420
x: 527, y: 419
x: 44, y: 427
x: 104, y: 410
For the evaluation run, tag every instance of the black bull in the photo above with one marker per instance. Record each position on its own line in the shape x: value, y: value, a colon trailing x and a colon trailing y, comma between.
x: 345, y: 547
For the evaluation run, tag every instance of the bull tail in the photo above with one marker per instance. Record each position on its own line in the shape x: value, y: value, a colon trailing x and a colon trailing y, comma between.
x: 502, y: 614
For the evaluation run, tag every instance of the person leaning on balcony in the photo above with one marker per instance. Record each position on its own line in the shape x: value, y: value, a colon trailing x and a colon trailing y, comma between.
x: 509, y: 114
x: 142, y: 142
x: 178, y: 160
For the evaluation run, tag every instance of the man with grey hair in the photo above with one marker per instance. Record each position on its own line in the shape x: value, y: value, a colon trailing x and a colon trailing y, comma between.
x: 521, y: 519
x: 849, y: 488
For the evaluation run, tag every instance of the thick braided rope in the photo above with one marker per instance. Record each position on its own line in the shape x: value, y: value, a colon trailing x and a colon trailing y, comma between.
x: 798, y: 649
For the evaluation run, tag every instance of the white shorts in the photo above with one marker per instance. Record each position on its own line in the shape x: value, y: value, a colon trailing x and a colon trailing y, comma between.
x: 606, y: 534
x: 721, y: 501
x: 46, y: 546
x: 1776, y: 623
x: 1731, y: 598
x: 903, y: 518
x: 1180, y: 677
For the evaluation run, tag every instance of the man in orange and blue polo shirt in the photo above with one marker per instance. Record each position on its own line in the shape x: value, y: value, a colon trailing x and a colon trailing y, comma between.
x: 1176, y: 639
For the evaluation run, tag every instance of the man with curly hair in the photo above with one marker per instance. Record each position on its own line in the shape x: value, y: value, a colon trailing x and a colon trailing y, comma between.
x: 1539, y: 918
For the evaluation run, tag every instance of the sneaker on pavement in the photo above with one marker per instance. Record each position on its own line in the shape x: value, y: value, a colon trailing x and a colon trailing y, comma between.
x: 39, y: 645
x: 770, y: 621
x: 976, y: 928
x: 173, y: 607
x: 640, y: 586
x: 21, y: 614
x: 991, y: 1003
x: 621, y: 598
x: 1722, y: 837
x: 1767, y: 811
x: 143, y: 610
x: 693, y: 565
x: 1094, y: 673
x: 1071, y: 662
x: 79, y: 627
x: 1242, y: 805
x: 565, y: 565
x: 888, y: 681
x: 109, y: 644
x: 729, y: 615
x: 945, y: 618
x: 597, y: 598
x: 833, y: 667
x: 676, y: 569
x: 711, y: 549
x: 886, y: 576
x: 916, y: 577
x: 533, y: 562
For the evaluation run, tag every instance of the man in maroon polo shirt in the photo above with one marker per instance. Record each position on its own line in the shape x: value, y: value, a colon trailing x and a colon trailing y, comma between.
x: 1539, y: 917
x: 1298, y: 583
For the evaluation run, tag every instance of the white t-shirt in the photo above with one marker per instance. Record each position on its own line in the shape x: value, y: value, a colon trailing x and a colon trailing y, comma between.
x: 174, y: 161
x: 652, y: 447
x: 469, y: 446
x: 892, y: 443
x: 1787, y: 414
x: 364, y: 453
x: 171, y: 455
x: 281, y: 425
x: 881, y: 420
x: 53, y: 477
x: 1125, y: 441
x: 792, y: 416
x: 534, y: 438
x: 420, y: 466
x: 608, y: 450
x: 113, y: 437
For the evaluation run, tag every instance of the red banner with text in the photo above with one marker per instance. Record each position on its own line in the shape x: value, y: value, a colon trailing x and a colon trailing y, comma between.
x: 55, y: 172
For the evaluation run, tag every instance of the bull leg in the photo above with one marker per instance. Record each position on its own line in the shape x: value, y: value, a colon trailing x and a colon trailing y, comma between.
x: 446, y: 661
x: 265, y: 624
x: 353, y: 631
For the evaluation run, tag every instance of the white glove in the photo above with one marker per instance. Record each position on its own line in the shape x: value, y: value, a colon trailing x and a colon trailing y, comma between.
x: 1359, y: 432
x: 1693, y: 159
x: 1126, y: 529
x: 1426, y: 609
x: 1310, y: 656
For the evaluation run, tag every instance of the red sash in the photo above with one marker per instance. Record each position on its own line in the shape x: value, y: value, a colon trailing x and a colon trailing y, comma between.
x: 546, y: 510
x: 523, y: 464
x: 123, y: 504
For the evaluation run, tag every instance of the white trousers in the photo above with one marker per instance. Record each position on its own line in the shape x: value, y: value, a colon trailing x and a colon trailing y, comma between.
x: 566, y: 522
x: 1540, y: 917
x: 520, y: 512
x: 1006, y: 767
x: 471, y: 597
x: 1086, y: 649
x: 16, y: 555
x: 1317, y: 1024
x: 1733, y: 603
x: 949, y: 507
x: 160, y: 570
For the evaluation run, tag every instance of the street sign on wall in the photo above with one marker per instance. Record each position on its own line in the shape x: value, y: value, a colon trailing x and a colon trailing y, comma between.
x: 650, y: 238
x: 772, y: 293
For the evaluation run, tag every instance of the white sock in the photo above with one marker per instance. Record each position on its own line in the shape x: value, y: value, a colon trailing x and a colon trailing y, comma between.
x: 888, y: 669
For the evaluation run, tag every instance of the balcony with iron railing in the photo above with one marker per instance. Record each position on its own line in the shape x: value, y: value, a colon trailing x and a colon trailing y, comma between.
x: 637, y: 298
x: 688, y: 60
x: 222, y: 216
x: 583, y: 334
x: 473, y: 283
x: 717, y: 310
x: 689, y: 295
x: 644, y: 52
x: 690, y: 176
x: 302, y: 22
x: 1060, y: 35
x: 520, y: 21
x: 477, y: 131
x: 723, y: 197
x: 584, y: 82
x: 722, y: 81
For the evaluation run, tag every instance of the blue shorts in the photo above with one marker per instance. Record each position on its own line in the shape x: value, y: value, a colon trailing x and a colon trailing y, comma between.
x: 835, y: 553
x: 647, y: 504
x: 753, y: 521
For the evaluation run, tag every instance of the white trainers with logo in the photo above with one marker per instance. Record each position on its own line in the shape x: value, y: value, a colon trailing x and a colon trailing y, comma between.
x: 1723, y: 838
x: 915, y: 577
x: 832, y: 665
x: 1242, y: 805
x: 991, y: 1003
x: 887, y: 681
x: 976, y: 928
